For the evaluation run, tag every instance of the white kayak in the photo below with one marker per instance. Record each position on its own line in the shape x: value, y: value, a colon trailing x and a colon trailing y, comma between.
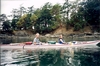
x: 48, y: 45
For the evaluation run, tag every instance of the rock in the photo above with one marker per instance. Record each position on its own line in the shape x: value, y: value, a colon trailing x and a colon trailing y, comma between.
x: 47, y: 35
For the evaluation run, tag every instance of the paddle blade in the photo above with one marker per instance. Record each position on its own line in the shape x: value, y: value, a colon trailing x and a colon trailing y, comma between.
x: 98, y: 44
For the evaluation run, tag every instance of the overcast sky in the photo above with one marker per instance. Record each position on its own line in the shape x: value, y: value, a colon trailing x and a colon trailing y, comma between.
x: 8, y: 5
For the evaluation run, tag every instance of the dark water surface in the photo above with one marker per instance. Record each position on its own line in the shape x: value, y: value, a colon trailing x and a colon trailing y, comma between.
x: 77, y: 56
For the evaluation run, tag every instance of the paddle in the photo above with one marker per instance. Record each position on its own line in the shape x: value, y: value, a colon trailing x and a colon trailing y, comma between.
x: 98, y: 44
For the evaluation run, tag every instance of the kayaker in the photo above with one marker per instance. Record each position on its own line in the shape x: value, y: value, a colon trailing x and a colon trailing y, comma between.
x: 61, y: 41
x: 36, y: 40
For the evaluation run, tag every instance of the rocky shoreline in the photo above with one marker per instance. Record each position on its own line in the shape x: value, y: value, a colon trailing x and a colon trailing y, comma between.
x: 76, y: 35
x: 81, y: 35
x: 6, y: 39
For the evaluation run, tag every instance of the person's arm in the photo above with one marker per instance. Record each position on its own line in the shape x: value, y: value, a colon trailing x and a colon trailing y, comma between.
x: 34, y: 41
x: 62, y: 41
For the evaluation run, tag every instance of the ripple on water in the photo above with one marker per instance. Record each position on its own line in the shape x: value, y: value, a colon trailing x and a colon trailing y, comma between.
x: 68, y: 56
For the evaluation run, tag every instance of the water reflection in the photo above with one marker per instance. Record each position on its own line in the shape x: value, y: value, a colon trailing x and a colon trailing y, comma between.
x: 55, y: 57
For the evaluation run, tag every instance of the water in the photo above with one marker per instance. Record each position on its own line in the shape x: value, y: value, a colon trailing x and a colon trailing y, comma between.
x: 77, y: 56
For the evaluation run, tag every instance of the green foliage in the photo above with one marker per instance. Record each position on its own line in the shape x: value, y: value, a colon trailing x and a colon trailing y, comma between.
x: 56, y: 9
x: 45, y: 21
x: 21, y: 22
x: 33, y: 18
x: 30, y: 10
x: 13, y: 24
x: 28, y: 23
x: 92, y: 13
x: 24, y: 22
x: 75, y: 14
x: 78, y: 18
x: 77, y: 27
x: 37, y: 12
x: 6, y: 25
x: 3, y: 18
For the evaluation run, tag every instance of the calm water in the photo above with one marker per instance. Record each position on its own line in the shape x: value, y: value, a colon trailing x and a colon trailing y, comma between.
x: 77, y: 56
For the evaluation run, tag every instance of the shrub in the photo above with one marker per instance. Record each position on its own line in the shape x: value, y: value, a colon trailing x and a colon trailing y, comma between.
x: 77, y: 27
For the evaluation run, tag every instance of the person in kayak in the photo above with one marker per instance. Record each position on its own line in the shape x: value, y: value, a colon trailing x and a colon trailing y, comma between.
x: 61, y: 41
x: 36, y: 40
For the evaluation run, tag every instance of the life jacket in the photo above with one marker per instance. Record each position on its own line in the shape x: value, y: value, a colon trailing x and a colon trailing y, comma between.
x: 60, y: 42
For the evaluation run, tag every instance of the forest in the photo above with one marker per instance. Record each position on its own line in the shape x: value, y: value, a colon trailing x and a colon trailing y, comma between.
x: 48, y: 18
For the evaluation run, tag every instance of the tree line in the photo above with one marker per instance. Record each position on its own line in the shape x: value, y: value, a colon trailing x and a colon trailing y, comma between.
x: 78, y: 15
